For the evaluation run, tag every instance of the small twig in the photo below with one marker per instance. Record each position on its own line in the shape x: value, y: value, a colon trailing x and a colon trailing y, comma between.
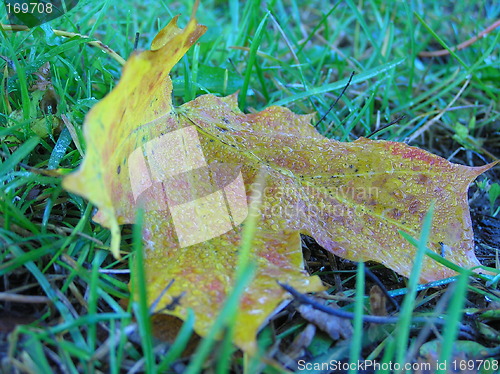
x: 388, y: 125
x: 136, y: 42
x: 114, y: 271
x: 195, y: 9
x: 176, y: 301
x: 94, y: 43
x: 27, y: 299
x: 69, y: 230
x: 336, y: 100
x: 303, y: 299
x: 160, y: 296
x: 16, y: 229
x: 445, y: 52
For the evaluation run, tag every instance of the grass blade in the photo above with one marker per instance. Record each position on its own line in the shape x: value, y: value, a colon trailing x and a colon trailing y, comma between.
x: 357, y: 337
x: 140, y: 306
x: 403, y: 328
x: 24, y: 150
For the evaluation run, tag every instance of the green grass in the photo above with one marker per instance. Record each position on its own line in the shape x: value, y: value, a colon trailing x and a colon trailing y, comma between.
x: 295, y: 53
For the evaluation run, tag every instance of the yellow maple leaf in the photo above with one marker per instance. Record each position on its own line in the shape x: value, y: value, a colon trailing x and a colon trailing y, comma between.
x: 192, y: 170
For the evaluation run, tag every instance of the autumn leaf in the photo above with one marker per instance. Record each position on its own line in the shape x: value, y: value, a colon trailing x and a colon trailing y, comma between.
x: 192, y: 169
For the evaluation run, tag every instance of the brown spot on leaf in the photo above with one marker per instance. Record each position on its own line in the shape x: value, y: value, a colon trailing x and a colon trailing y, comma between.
x: 395, y: 214
x: 422, y: 179
x: 414, y: 206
